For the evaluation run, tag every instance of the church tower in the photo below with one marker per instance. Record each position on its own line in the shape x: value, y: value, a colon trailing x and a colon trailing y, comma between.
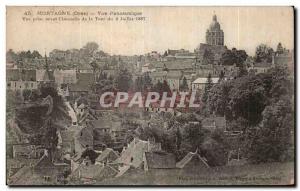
x: 214, y: 35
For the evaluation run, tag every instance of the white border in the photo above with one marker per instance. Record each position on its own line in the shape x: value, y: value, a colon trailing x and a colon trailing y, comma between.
x: 4, y: 3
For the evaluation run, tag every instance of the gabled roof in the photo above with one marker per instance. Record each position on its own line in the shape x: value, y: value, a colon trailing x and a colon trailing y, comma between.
x: 108, y: 154
x: 188, y: 158
x: 95, y: 172
x: 160, y: 160
x: 81, y: 100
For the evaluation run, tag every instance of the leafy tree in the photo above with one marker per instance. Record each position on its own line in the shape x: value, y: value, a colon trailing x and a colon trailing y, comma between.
x: 194, y: 136
x: 123, y: 80
x: 263, y: 53
x: 36, y: 54
x: 218, y: 99
x: 90, y: 48
x: 274, y: 134
x: 11, y: 56
x: 221, y: 76
x: 234, y: 56
x: 242, y: 71
x: 208, y: 57
x: 215, y: 148
x: 26, y: 94
x: 248, y: 99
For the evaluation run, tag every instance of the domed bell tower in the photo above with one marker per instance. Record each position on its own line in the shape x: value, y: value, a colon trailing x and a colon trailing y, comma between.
x: 215, y: 35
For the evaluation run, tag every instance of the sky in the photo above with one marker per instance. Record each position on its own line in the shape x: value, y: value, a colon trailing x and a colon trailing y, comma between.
x: 164, y: 28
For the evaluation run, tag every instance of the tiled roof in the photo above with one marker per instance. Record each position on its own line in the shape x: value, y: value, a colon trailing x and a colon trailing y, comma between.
x: 160, y: 160
x: 108, y: 154
x: 189, y: 157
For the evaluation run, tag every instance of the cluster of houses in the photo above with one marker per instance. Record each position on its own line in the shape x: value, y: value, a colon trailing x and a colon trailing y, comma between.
x: 96, y: 145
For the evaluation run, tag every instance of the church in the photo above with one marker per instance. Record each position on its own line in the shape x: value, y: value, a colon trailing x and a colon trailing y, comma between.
x: 211, y: 51
x: 215, y: 35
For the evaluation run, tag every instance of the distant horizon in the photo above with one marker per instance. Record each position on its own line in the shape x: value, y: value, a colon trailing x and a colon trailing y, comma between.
x: 165, y: 28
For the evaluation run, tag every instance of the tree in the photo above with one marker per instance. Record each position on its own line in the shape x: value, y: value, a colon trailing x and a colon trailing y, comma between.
x: 26, y: 94
x: 263, y: 53
x: 218, y: 99
x: 234, y: 56
x: 166, y: 87
x: 11, y: 56
x: 221, y: 76
x: 215, y: 148
x: 90, y: 48
x: 274, y: 134
x: 248, y: 99
x: 208, y: 57
x: 207, y: 88
x: 36, y: 54
x: 184, y: 86
x: 123, y: 80
x: 242, y: 71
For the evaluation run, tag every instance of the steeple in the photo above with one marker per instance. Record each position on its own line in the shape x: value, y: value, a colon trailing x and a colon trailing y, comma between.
x: 215, y: 18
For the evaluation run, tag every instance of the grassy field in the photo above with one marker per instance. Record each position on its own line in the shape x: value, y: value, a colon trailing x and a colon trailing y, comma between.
x: 262, y: 174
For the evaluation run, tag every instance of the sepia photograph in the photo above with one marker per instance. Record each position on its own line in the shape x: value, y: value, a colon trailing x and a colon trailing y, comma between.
x: 150, y: 96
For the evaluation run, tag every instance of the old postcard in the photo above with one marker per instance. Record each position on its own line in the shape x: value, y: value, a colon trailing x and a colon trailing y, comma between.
x: 150, y: 96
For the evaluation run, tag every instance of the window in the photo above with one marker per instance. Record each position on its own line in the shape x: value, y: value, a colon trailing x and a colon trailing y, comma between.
x: 8, y: 84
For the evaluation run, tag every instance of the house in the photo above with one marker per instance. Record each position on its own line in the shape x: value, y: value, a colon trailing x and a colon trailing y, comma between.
x: 21, y: 79
x: 26, y: 151
x: 193, y: 162
x: 88, y: 174
x: 213, y: 123
x: 258, y: 68
x: 134, y: 153
x: 199, y: 83
x: 159, y: 160
x: 174, y: 52
x: 82, y: 86
x: 85, y: 137
x: 173, y: 79
x: 43, y: 172
x: 65, y: 76
x: 13, y: 165
x: 107, y: 156
x: 80, y: 105
x: 110, y: 126
x: 68, y: 141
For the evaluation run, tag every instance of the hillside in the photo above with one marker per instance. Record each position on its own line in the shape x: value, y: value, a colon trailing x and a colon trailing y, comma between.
x: 262, y: 174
